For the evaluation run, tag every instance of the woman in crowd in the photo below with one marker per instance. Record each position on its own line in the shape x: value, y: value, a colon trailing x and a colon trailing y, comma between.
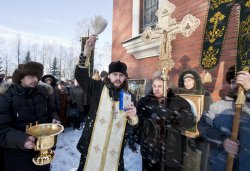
x: 196, y: 153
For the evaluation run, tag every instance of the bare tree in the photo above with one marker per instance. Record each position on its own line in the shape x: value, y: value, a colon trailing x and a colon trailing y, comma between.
x: 34, y: 51
x: 4, y: 55
x: 18, y: 46
x: 1, y: 65
x: 67, y: 58
x: 48, y: 52
x: 14, y: 51
x: 1, y: 61
x: 6, y: 65
x: 83, y: 28
x: 27, y: 57
x: 71, y: 60
x: 103, y: 57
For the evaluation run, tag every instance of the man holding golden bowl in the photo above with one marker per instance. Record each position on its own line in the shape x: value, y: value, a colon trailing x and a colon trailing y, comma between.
x: 25, y: 102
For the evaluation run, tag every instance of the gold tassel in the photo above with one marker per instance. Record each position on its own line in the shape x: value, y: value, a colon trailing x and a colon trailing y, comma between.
x: 207, y: 78
x: 241, y: 98
x: 86, y: 65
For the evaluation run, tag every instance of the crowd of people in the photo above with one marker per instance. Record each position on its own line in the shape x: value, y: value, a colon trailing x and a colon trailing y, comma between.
x: 29, y: 97
x: 112, y: 117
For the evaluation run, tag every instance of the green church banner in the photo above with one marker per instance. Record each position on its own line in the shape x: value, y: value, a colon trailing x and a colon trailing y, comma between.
x: 243, y: 53
x: 217, y: 21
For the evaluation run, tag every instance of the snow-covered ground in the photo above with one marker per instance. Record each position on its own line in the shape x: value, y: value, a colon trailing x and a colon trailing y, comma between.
x: 67, y: 157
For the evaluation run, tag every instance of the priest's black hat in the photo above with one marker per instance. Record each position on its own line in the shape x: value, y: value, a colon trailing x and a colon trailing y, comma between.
x: 118, y: 66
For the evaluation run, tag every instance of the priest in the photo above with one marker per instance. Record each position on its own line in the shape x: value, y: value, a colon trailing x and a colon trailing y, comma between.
x: 102, y: 142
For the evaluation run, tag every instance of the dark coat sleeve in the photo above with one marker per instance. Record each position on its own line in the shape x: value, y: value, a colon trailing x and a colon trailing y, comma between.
x: 177, y: 112
x: 83, y: 79
x: 208, y: 132
x: 247, y: 95
x: 57, y: 100
x: 72, y: 96
x: 92, y: 88
x: 9, y: 137
x: 51, y: 101
x: 183, y: 114
x: 208, y: 100
x: 138, y: 130
x: 52, y: 108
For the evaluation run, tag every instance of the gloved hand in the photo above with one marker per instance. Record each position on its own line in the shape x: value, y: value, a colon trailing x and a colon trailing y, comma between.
x: 82, y: 59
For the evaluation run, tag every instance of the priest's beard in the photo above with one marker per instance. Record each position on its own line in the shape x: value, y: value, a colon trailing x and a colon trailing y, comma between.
x: 110, y: 85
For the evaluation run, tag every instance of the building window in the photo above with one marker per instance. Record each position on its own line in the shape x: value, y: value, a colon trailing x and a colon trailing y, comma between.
x: 148, y: 13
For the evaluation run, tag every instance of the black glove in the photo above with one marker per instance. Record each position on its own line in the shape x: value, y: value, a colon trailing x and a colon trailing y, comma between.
x: 82, y: 60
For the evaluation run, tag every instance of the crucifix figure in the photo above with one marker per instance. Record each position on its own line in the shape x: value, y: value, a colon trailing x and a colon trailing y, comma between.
x: 166, y: 30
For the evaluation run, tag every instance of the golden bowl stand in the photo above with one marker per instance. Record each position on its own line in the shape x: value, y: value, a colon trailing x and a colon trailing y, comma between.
x: 46, y: 137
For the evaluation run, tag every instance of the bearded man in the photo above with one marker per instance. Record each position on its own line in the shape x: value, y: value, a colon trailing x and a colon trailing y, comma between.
x: 102, y: 142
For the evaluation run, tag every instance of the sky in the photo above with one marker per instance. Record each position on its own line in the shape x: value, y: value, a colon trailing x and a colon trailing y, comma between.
x: 51, y: 19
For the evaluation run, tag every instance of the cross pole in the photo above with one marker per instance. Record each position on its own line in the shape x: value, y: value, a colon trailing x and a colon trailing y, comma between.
x: 166, y: 30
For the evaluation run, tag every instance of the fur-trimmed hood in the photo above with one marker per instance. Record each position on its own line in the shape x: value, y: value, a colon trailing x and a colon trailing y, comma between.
x: 5, y: 86
x: 47, y: 86
x: 51, y: 77
x: 198, y: 89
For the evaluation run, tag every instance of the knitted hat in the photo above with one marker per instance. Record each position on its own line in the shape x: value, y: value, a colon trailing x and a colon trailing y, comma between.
x: 30, y: 68
x: 188, y: 76
x: 118, y: 67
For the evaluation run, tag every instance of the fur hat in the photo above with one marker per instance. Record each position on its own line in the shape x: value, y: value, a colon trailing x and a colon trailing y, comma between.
x: 103, y: 74
x: 30, y: 68
x: 118, y: 67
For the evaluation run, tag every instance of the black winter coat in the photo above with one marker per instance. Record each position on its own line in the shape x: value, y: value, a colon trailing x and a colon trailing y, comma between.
x: 175, y: 117
x: 93, y: 89
x: 77, y: 98
x: 19, y: 107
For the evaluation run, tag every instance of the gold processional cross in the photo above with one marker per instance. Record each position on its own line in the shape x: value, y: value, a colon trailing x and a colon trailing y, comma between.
x: 166, y: 30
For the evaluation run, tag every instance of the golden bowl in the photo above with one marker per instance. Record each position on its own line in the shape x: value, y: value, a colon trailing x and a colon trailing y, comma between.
x: 46, y: 137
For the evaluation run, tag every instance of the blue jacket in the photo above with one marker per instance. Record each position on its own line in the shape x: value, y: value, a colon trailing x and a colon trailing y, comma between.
x: 215, y: 126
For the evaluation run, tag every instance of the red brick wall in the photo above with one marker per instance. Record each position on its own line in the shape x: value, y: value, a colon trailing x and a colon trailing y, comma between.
x: 122, y: 30
x: 186, y: 51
